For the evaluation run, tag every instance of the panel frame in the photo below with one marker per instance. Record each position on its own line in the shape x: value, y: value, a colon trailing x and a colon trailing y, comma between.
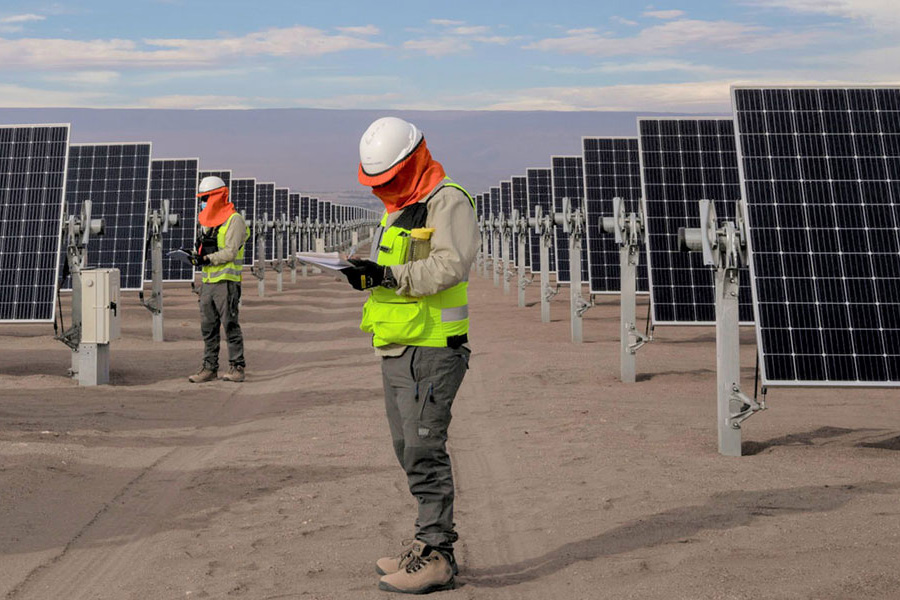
x: 62, y: 211
x: 765, y: 381
x: 146, y: 211
x: 181, y: 224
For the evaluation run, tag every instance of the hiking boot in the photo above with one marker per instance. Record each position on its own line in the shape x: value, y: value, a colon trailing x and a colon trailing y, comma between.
x: 426, y: 571
x: 392, y: 564
x: 204, y: 375
x: 235, y: 374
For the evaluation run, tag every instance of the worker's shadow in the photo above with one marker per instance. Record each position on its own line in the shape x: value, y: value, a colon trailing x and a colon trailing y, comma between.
x: 725, y: 510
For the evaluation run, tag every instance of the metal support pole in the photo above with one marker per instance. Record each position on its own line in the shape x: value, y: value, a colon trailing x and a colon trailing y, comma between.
x: 495, y: 261
x: 504, y: 258
x: 523, y: 282
x: 627, y: 313
x: 294, y: 234
x: 262, y: 227
x: 279, y: 254
x: 485, y: 258
x: 575, y: 299
x: 546, y: 239
x: 157, y: 288
x: 94, y: 365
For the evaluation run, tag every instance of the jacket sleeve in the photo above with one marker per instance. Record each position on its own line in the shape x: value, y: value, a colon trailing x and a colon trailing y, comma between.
x: 454, y: 245
x: 234, y: 239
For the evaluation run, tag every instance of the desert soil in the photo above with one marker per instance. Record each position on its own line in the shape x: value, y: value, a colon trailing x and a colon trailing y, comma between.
x: 570, y: 484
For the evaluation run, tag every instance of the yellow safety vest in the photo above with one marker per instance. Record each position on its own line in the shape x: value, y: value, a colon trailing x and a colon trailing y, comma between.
x: 427, y: 321
x: 230, y: 271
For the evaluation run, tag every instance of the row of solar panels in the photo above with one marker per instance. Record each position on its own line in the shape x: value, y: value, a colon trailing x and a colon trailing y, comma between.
x: 42, y: 176
x: 815, y: 172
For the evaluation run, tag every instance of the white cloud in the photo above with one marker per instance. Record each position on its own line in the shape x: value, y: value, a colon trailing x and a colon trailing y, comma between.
x: 446, y: 22
x: 22, y: 18
x: 879, y: 13
x: 664, y: 14
x: 676, y: 35
x: 624, y: 21
x: 297, y: 41
x: 472, y: 30
x: 360, y: 30
x: 650, y: 66
x: 16, y: 96
x: 442, y: 46
x: 85, y: 77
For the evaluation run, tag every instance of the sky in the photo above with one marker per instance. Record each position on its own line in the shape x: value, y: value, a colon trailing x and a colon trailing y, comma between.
x: 678, y: 56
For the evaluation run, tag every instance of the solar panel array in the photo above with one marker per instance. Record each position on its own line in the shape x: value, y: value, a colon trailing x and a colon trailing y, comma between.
x: 116, y: 179
x: 265, y: 202
x: 539, y: 193
x: 304, y: 208
x: 820, y: 170
x: 314, y: 209
x: 684, y: 161
x: 175, y: 180
x: 243, y: 195
x: 567, y: 181
x: 611, y: 169
x: 33, y: 161
x: 520, y: 204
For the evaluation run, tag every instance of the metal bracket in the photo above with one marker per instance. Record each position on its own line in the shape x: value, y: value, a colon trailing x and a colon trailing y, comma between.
x: 552, y: 292
x: 582, y: 306
x: 636, y: 339
x: 750, y: 407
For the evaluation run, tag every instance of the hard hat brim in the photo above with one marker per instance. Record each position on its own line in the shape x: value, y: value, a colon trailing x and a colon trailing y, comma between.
x: 207, y: 193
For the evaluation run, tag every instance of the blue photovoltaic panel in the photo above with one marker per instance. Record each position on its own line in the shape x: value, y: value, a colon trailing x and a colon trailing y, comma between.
x: 820, y: 171
x: 506, y: 211
x: 33, y: 160
x: 224, y: 175
x: 540, y: 193
x: 325, y: 211
x: 684, y: 161
x: 265, y: 203
x: 496, y: 209
x: 175, y: 180
x: 304, y: 208
x: 116, y: 179
x: 280, y: 210
x: 294, y: 206
x: 314, y: 210
x: 520, y: 204
x: 611, y: 169
x: 567, y: 181
x: 243, y: 195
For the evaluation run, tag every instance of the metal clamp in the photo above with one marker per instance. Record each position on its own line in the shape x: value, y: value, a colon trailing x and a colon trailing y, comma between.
x: 749, y: 407
x: 636, y: 339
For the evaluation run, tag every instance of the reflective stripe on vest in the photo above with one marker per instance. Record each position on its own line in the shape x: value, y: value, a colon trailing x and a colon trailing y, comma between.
x: 426, y: 321
x: 230, y: 271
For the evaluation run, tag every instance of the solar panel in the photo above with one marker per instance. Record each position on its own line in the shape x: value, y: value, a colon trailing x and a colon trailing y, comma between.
x: 520, y: 204
x: 820, y: 173
x: 567, y: 181
x: 265, y: 203
x: 611, y: 169
x: 33, y: 160
x: 116, y: 179
x: 224, y: 175
x: 539, y: 193
x: 325, y: 211
x: 506, y: 209
x: 684, y: 161
x: 304, y: 208
x: 175, y: 180
x: 495, y: 213
x: 243, y: 195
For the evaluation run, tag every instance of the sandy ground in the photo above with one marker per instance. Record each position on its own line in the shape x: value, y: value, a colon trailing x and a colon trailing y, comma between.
x: 570, y: 484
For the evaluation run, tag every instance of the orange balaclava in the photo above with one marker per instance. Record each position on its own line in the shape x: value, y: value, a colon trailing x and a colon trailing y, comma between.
x: 218, y: 207
x: 408, y: 181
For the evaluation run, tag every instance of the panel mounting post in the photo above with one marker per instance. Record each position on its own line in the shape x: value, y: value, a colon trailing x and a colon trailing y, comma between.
x: 260, y: 228
x: 629, y: 231
x: 572, y: 222
x: 158, y: 223
x: 724, y: 248
x: 542, y: 226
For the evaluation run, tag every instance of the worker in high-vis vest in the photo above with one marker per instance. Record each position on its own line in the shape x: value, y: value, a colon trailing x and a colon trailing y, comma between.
x: 220, y: 253
x: 418, y: 316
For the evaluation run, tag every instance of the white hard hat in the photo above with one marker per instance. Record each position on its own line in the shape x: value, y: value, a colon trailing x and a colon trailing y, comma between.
x: 209, y: 184
x: 385, y: 143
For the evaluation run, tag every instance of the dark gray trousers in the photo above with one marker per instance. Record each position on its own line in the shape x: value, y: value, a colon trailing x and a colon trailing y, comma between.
x: 419, y: 388
x: 219, y: 303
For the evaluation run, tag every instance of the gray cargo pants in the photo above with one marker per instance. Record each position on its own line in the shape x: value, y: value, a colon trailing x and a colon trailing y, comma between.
x: 219, y: 304
x: 419, y: 387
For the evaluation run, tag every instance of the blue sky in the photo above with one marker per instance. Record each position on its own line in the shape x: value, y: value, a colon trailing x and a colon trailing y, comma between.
x: 613, y: 55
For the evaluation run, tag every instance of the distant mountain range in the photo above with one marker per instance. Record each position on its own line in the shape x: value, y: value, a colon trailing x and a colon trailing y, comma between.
x: 316, y: 151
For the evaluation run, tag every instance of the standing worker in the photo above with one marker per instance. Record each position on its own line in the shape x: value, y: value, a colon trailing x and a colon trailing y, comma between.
x: 417, y: 313
x: 220, y: 252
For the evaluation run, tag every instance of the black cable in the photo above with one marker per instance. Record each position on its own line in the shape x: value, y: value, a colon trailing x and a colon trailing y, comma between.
x: 647, y: 327
x: 756, y: 379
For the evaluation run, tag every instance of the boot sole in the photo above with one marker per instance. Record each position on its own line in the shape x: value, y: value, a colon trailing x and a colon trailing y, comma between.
x: 438, y: 587
x: 381, y: 571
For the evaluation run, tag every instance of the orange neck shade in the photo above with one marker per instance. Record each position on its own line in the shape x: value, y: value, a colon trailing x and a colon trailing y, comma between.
x: 414, y: 178
x: 218, y: 208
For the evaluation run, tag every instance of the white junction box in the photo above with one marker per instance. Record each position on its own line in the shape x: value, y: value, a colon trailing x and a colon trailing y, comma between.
x: 99, y: 306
